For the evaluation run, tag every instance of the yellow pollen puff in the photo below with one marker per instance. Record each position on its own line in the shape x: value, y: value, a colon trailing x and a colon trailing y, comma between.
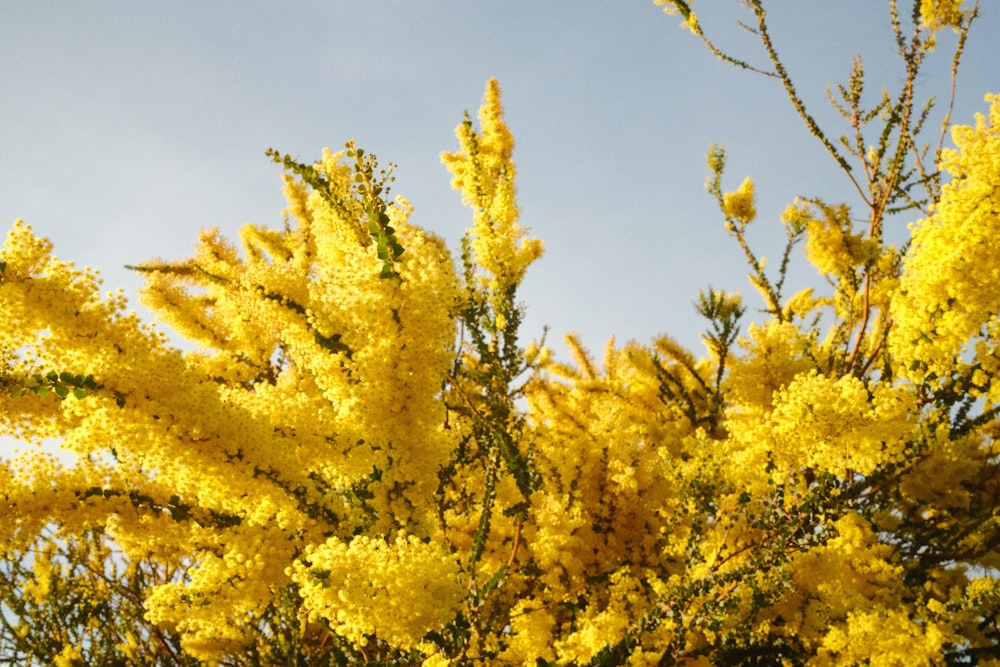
x: 740, y: 204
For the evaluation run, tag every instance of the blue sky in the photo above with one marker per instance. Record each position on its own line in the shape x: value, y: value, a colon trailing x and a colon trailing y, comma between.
x: 127, y: 126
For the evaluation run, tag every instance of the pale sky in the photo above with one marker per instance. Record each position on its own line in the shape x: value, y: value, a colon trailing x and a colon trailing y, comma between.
x: 127, y: 126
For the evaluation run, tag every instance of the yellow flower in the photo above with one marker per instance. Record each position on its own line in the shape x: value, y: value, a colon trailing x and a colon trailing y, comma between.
x: 950, y: 287
x: 832, y: 247
x: 484, y: 171
x: 937, y: 14
x: 397, y: 590
x: 67, y: 657
x: 797, y: 215
x: 684, y: 9
x: 740, y: 204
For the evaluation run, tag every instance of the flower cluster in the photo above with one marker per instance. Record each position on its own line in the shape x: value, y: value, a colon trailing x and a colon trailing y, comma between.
x: 483, y: 171
x: 937, y: 14
x: 947, y: 310
x: 397, y: 590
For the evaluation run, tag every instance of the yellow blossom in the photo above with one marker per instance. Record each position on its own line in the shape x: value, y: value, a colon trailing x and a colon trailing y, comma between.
x: 483, y: 171
x: 936, y: 14
x: 949, y: 288
x: 740, y: 204
x: 398, y: 591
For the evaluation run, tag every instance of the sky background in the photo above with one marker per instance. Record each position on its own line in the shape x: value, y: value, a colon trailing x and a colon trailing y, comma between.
x: 125, y: 127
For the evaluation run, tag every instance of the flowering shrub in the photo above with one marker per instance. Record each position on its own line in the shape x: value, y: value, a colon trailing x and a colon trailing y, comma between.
x: 360, y: 461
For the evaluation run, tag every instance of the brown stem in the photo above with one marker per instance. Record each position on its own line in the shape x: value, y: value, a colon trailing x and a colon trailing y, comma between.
x: 517, y: 543
x: 866, y: 311
x: 729, y: 589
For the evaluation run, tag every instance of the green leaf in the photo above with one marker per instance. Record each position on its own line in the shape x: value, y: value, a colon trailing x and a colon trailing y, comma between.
x: 40, y: 391
x: 62, y: 391
x: 80, y: 393
x: 320, y: 575
x: 387, y: 271
x: 383, y: 250
x: 52, y: 376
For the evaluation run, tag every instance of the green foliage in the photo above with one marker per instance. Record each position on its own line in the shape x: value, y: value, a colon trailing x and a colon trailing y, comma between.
x: 62, y: 384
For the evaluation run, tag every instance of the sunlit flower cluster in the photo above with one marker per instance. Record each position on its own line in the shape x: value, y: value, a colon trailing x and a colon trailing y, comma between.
x: 482, y: 170
x: 937, y: 14
x: 838, y: 425
x: 396, y: 590
x: 740, y: 204
x: 951, y: 281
